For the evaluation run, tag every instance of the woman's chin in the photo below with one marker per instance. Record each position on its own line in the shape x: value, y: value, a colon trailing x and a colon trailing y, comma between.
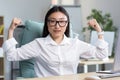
x: 57, y: 35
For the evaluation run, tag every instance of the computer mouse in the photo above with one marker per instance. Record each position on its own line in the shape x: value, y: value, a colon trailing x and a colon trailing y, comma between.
x: 92, y: 78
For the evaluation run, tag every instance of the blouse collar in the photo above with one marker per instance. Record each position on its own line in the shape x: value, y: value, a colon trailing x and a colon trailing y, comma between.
x: 65, y: 41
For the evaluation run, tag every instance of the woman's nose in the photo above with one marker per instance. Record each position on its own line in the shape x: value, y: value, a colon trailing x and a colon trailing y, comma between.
x: 57, y: 25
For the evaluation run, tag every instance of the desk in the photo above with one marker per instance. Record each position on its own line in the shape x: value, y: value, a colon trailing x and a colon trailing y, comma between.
x: 71, y: 77
x: 85, y: 63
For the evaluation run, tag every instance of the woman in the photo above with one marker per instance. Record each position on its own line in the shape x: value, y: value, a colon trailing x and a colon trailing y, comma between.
x: 55, y: 53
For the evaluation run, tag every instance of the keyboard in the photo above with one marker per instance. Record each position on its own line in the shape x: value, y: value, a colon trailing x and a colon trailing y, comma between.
x: 108, y: 72
x: 93, y: 59
x: 103, y: 76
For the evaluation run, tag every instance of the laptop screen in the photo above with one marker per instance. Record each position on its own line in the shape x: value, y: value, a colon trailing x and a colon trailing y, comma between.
x: 116, y: 66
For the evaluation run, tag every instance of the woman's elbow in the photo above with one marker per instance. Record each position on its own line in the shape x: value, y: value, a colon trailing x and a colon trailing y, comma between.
x: 102, y: 55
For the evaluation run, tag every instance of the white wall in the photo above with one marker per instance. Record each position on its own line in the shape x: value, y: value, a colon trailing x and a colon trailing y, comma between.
x: 107, y: 6
x: 67, y: 2
x: 24, y: 9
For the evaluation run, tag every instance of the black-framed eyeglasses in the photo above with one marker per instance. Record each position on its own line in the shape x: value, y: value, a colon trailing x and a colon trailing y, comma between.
x: 61, y: 23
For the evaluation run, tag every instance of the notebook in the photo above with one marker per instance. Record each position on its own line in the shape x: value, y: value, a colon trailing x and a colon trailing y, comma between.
x: 116, y: 64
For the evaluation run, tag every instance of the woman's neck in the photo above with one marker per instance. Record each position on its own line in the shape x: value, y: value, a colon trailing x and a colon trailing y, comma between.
x: 58, y: 40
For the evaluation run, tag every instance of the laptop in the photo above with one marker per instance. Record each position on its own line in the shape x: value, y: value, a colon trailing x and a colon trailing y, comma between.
x: 116, y: 64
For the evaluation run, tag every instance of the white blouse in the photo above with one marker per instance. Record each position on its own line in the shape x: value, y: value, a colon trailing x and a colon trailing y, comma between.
x: 52, y: 59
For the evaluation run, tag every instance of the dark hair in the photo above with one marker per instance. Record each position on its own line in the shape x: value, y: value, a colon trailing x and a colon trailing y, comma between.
x: 52, y: 10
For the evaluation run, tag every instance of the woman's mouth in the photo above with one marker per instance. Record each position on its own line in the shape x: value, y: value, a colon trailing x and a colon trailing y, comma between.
x: 57, y: 31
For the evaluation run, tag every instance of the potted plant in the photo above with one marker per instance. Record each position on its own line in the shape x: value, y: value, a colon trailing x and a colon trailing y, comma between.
x: 106, y: 24
x: 104, y: 20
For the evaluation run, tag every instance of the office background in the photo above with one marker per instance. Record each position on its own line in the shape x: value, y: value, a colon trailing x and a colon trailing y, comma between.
x: 36, y: 9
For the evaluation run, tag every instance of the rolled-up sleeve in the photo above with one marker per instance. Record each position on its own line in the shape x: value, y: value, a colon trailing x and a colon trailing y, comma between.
x: 16, y: 54
x: 99, y: 50
x: 9, y: 44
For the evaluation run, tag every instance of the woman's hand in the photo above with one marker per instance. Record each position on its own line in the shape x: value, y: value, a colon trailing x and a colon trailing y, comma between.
x: 15, y: 22
x: 94, y: 24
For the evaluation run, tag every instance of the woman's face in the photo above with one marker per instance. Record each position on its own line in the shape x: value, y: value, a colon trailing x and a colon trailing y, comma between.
x: 57, y: 23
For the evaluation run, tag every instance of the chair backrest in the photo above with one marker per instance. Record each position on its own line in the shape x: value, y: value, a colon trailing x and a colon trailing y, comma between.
x: 32, y: 30
x: 29, y: 32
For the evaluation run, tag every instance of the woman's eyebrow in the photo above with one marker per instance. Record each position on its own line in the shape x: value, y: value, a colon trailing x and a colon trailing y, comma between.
x: 57, y: 18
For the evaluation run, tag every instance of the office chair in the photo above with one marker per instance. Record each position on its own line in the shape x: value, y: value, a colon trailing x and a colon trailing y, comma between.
x: 24, y: 34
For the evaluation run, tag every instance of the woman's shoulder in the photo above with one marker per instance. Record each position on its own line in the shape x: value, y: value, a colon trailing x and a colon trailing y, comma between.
x: 40, y: 39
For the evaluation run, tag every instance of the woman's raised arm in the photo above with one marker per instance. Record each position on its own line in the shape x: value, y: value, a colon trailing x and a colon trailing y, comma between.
x: 15, y: 22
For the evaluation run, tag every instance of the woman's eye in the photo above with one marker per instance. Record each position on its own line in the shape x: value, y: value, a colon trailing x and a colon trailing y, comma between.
x: 62, y: 21
x: 52, y: 21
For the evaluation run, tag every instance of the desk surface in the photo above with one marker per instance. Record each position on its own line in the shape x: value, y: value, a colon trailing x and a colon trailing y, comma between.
x: 92, y: 62
x: 72, y: 77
